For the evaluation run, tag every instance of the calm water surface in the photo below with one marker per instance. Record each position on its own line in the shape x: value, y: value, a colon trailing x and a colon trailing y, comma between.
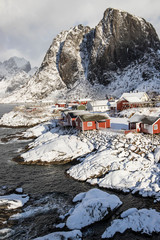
x: 49, y: 185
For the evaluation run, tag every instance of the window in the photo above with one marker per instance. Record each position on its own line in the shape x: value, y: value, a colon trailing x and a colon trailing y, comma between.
x: 89, y: 124
x: 80, y: 124
x: 145, y: 126
x: 155, y: 126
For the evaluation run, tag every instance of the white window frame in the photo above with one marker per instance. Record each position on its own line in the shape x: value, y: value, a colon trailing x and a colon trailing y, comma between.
x: 155, y: 127
x: 89, y: 124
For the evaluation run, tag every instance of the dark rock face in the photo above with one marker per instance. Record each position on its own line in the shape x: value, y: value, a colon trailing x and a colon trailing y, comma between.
x: 73, y: 54
x: 97, y: 56
x: 120, y: 38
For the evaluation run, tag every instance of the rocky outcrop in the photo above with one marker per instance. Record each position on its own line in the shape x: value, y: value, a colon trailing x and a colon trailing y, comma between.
x: 119, y: 39
x: 74, y: 55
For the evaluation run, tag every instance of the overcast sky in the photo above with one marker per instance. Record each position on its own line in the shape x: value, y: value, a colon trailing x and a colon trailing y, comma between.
x: 27, y: 27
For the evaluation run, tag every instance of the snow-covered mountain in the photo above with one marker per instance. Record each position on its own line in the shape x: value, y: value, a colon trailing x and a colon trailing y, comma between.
x: 14, y: 73
x: 121, y: 53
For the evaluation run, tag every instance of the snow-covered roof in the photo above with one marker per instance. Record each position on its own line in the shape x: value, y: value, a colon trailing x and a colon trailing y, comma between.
x: 149, y: 120
x: 134, y: 96
x: 136, y: 118
x: 144, y: 119
x: 99, y: 103
x: 133, y: 99
x: 84, y: 99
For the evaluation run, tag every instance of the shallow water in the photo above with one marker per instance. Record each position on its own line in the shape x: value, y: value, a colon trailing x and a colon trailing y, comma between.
x: 50, y: 188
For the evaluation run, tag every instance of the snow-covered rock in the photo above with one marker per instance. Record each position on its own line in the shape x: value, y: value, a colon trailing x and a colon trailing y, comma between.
x: 94, y: 165
x: 143, y: 221
x: 92, y: 206
x: 6, y: 233
x: 157, y: 154
x: 70, y: 235
x: 127, y: 168
x: 23, y: 116
x: 53, y: 147
x: 13, y: 201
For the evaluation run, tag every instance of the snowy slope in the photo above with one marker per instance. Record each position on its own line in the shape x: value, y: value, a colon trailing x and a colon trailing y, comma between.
x: 14, y: 73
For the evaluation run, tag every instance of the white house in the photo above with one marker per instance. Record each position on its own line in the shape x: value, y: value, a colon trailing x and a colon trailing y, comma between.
x: 98, y: 106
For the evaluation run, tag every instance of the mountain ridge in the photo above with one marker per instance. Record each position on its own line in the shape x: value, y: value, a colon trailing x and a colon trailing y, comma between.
x: 83, y: 61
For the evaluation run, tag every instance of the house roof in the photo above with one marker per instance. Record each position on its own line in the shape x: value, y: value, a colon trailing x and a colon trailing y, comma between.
x: 99, y: 103
x: 143, y: 119
x: 149, y: 120
x: 133, y: 94
x: 74, y: 114
x: 133, y: 97
x: 93, y: 117
x: 84, y: 99
x: 136, y: 118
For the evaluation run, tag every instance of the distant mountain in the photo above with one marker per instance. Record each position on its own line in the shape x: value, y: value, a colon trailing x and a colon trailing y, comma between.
x: 121, y: 53
x: 14, y: 73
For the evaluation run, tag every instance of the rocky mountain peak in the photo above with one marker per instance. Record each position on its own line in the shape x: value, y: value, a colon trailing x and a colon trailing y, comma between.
x: 121, y: 49
x: 120, y: 38
x: 15, y: 64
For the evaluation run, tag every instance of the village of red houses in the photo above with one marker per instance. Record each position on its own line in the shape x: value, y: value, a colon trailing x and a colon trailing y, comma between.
x: 87, y: 114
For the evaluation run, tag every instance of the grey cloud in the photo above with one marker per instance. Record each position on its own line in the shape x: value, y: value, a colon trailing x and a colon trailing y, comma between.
x: 28, y: 27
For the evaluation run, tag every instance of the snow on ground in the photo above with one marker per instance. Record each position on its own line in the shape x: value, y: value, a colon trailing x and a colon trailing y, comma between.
x: 144, y: 111
x: 13, y: 201
x: 143, y: 221
x: 26, y: 116
x: 54, y: 147
x: 119, y: 123
x: 71, y: 235
x: 94, y: 165
x: 39, y: 129
x: 92, y: 206
x: 128, y: 163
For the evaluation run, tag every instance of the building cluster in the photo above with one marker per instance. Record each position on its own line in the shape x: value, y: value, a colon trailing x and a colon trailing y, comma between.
x: 86, y: 114
x: 84, y: 120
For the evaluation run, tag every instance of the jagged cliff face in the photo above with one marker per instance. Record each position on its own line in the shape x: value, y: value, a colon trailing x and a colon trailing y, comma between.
x: 121, y: 50
x: 96, y: 54
x: 119, y: 39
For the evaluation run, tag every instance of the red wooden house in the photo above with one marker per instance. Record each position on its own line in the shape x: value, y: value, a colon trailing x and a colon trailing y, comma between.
x: 92, y: 122
x: 83, y: 101
x: 72, y: 115
x: 132, y: 100
x: 145, y: 124
x: 61, y: 105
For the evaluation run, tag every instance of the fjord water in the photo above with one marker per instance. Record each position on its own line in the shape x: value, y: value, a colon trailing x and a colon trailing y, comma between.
x: 49, y: 187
